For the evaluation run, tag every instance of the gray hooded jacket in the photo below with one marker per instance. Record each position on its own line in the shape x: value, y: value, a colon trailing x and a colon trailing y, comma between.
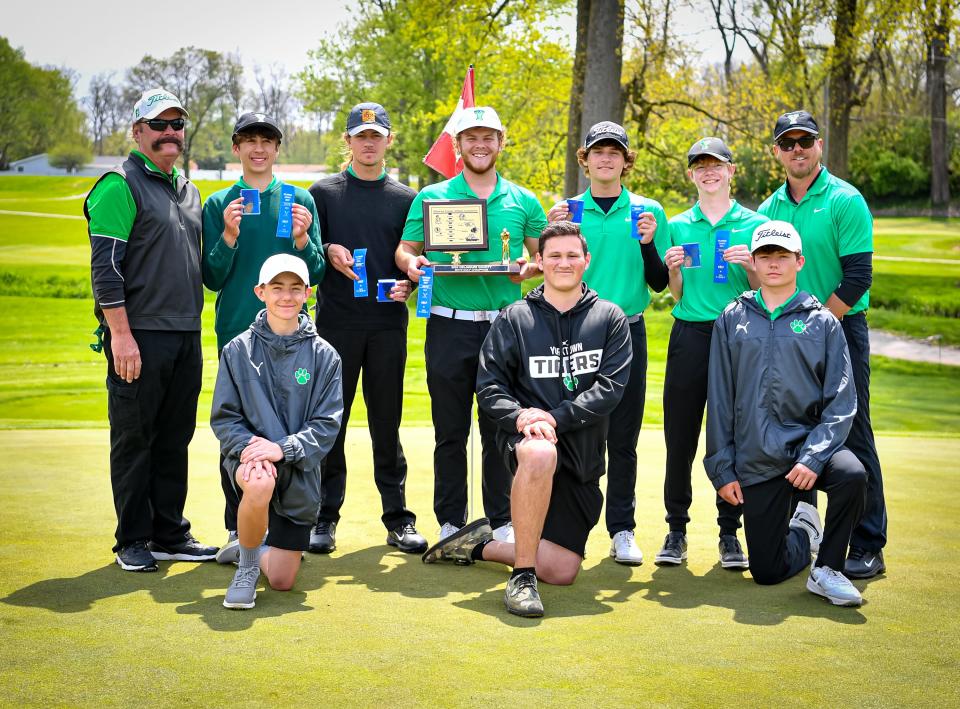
x: 286, y: 389
x: 780, y: 392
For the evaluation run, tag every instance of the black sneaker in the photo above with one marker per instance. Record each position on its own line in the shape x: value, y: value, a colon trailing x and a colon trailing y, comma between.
x: 407, y: 539
x: 731, y: 553
x: 323, y: 538
x: 187, y: 550
x: 136, y: 557
x: 863, y: 564
x: 674, y: 550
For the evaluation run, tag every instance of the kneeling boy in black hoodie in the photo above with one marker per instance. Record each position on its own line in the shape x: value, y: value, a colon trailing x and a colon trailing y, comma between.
x: 277, y: 407
x: 552, y: 368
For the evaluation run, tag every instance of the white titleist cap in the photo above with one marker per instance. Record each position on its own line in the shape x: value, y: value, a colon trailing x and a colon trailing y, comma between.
x: 782, y: 234
x: 283, y: 263
x: 153, y: 102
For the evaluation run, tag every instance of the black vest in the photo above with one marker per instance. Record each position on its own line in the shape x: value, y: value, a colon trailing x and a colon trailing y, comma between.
x: 161, y: 266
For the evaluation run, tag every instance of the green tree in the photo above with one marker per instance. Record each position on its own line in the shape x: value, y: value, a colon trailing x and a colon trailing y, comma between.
x: 70, y: 156
x: 209, y: 85
x: 38, y: 108
x: 411, y: 55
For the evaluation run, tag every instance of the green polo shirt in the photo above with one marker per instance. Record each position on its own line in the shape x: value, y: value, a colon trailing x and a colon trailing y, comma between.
x: 509, y: 207
x: 833, y: 221
x: 110, y: 204
x: 775, y: 313
x: 616, y: 263
x: 702, y: 299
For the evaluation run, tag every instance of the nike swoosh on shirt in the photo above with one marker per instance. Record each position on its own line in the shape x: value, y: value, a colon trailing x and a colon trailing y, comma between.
x: 819, y: 210
x: 746, y: 228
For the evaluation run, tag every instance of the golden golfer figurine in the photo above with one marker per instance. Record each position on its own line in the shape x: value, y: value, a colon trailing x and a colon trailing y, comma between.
x: 505, y: 238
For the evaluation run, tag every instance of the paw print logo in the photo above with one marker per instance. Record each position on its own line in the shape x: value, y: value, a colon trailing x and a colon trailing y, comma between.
x: 302, y: 376
x: 798, y: 326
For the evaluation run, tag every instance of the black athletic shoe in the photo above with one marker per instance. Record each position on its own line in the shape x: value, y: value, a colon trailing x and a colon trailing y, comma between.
x: 323, y: 538
x: 458, y: 547
x: 731, y: 553
x: 863, y: 564
x: 136, y: 557
x: 674, y: 550
x: 407, y: 539
x: 187, y: 550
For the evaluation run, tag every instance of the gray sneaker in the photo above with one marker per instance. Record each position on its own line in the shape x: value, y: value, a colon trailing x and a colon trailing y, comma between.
x: 230, y: 552
x: 833, y: 586
x: 807, y: 518
x: 242, y: 592
x: 459, y: 546
x: 522, y: 597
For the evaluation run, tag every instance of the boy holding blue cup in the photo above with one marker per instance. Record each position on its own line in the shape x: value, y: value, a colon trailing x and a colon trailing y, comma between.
x: 621, y: 229
x: 709, y: 265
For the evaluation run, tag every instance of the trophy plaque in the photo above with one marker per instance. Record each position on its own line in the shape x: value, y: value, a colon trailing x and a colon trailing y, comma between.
x: 458, y: 226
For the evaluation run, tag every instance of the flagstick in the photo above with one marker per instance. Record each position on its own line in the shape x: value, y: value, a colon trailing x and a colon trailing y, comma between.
x: 470, y: 494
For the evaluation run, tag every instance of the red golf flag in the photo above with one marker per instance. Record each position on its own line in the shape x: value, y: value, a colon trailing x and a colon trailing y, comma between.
x: 443, y: 155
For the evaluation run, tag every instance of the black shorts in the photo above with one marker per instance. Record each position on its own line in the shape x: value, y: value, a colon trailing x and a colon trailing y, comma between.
x: 284, y: 534
x: 574, y: 508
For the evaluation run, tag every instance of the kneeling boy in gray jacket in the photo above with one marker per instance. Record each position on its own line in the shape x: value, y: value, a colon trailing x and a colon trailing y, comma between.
x: 277, y: 407
x: 781, y: 402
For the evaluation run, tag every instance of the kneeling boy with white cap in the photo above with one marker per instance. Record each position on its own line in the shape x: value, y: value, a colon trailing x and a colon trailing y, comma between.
x: 781, y: 402
x: 277, y: 408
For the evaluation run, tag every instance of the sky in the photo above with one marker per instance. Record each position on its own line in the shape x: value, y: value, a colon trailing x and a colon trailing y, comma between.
x: 112, y: 35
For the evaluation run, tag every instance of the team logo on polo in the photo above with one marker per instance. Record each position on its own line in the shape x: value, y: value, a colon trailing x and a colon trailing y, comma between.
x: 302, y: 376
x: 368, y: 115
x: 798, y: 326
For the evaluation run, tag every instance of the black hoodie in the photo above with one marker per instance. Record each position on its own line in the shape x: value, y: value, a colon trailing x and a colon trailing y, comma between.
x: 574, y: 365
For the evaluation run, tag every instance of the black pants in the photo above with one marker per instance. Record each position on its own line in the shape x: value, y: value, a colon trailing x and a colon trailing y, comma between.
x: 684, y: 400
x: 871, y: 533
x: 622, y: 435
x: 152, y: 421
x: 452, y: 353
x: 776, y: 551
x: 381, y: 355
x: 231, y: 491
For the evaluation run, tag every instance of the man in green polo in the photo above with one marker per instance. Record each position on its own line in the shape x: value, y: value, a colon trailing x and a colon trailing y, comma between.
x: 622, y: 245
x: 837, y: 231
x: 720, y: 229
x: 463, y: 307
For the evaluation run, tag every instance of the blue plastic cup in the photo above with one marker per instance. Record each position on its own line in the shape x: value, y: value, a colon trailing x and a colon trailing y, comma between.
x: 575, y: 207
x: 384, y: 286
x: 636, y: 211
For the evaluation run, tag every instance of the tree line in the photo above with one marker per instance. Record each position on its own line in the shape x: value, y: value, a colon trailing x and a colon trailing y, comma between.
x: 878, y: 75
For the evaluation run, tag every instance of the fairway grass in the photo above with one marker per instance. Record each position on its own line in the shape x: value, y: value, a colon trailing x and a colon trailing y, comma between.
x: 367, y: 626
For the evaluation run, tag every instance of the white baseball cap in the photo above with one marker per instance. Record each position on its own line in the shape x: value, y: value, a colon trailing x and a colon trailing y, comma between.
x: 776, y: 233
x: 478, y: 117
x: 283, y: 263
x: 153, y: 102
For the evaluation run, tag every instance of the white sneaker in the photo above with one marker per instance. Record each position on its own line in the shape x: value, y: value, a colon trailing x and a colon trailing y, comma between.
x: 624, y: 549
x: 807, y: 518
x: 833, y: 586
x: 446, y: 530
x: 504, y: 533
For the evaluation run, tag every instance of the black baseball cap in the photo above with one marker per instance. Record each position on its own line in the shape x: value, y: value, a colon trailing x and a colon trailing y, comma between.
x: 714, y: 147
x: 606, y: 130
x: 795, y: 120
x: 249, y: 121
x: 366, y: 116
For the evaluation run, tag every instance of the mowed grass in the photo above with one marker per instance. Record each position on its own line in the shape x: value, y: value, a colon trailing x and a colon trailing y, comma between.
x: 368, y: 626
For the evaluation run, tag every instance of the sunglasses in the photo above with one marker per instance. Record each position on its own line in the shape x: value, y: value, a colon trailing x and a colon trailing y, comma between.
x: 160, y: 125
x: 787, y: 144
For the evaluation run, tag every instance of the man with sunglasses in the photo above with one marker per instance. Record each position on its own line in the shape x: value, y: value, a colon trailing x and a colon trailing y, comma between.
x: 837, y: 231
x: 144, y: 224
